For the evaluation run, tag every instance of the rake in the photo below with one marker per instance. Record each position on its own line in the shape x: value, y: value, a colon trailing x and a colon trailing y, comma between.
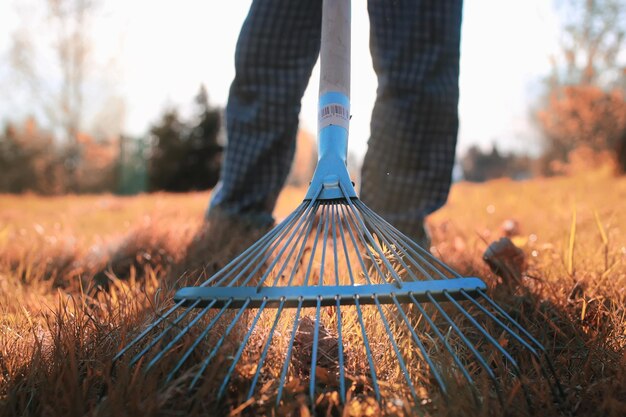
x: 336, y: 288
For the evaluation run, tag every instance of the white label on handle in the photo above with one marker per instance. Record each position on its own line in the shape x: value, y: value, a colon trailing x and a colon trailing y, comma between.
x: 334, y: 114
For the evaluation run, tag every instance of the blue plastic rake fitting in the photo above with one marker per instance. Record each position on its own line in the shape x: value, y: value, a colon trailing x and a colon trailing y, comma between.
x: 331, y: 173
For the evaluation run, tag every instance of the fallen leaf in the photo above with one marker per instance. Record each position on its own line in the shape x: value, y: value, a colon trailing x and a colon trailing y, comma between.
x: 506, y: 260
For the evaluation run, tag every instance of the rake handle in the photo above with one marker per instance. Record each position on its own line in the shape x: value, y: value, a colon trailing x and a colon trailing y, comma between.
x: 335, y: 48
x: 331, y: 174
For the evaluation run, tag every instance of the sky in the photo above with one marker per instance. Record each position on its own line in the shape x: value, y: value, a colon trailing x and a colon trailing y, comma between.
x: 150, y: 55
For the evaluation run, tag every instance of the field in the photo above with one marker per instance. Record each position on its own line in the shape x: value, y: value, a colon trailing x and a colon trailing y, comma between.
x: 81, y: 275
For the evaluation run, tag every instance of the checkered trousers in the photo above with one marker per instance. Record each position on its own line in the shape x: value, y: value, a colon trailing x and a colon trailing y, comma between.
x: 407, y: 169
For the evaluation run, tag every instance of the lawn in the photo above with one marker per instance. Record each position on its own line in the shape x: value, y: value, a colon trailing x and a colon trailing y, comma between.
x: 80, y: 276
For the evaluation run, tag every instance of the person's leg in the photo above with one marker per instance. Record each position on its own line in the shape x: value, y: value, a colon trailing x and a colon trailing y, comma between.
x: 276, y: 51
x: 407, y: 169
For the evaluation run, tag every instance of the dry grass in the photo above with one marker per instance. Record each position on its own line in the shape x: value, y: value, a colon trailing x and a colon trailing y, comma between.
x: 59, y: 330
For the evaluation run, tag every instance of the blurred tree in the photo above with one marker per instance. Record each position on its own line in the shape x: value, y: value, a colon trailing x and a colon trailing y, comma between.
x: 69, y: 18
x: 12, y: 156
x: 584, y: 115
x: 186, y: 155
x: 167, y: 152
x: 28, y: 162
x: 201, y: 168
x: 479, y: 166
x: 585, y: 101
x: 592, y: 43
x: 32, y: 160
x: 54, y: 66
x: 97, y: 171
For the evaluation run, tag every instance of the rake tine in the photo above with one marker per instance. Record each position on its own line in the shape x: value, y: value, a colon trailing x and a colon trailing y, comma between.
x: 342, y: 382
x: 164, y: 332
x: 342, y: 377
x: 324, y: 246
x: 304, y: 231
x: 502, y: 325
x: 147, y: 330
x: 358, y: 252
x: 390, y: 269
x: 387, y: 233
x: 256, y: 251
x: 397, y: 256
x: 249, y: 252
x: 462, y: 336
x: 504, y: 314
x: 374, y: 244
x: 412, y: 245
x: 310, y: 266
x: 392, y: 241
x: 494, y: 343
x: 302, y: 247
x: 180, y: 335
x: 313, y: 205
x: 484, y: 332
x: 441, y: 337
x: 313, y: 250
x: 202, y: 335
x: 423, y: 258
x: 217, y: 346
x: 283, y: 374
x: 261, y: 243
x: 334, y: 232
x: 402, y: 237
x: 314, y: 353
x: 510, y: 319
x: 270, y: 336
x: 354, y: 212
x: 240, y: 350
x: 317, y: 313
x: 368, y: 351
x: 356, y: 249
x: 268, y: 253
x: 422, y: 349
x: 405, y: 371
x: 469, y: 344
x: 283, y: 377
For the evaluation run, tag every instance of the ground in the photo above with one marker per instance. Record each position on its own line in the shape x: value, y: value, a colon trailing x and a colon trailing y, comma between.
x: 81, y: 275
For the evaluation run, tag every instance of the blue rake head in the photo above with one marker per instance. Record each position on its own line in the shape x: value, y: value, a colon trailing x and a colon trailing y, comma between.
x: 382, y: 312
x: 337, y: 299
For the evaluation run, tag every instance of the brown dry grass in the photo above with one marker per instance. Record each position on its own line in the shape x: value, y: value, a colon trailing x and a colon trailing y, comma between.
x: 58, y: 334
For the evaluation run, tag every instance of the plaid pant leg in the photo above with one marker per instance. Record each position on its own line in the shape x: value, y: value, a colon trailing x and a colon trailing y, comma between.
x: 276, y: 51
x: 407, y: 169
